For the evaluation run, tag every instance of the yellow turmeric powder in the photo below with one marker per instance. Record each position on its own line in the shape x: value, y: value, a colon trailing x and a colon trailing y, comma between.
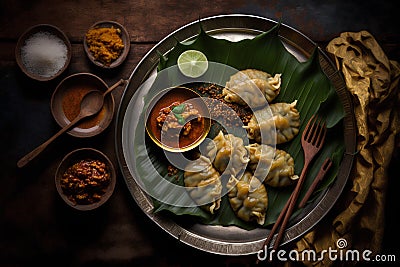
x: 105, y: 44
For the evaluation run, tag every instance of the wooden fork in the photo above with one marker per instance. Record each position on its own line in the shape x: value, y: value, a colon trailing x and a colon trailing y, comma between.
x: 312, y: 139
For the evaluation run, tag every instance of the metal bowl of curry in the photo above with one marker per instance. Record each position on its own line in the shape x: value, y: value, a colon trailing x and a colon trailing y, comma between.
x: 107, y: 44
x: 177, y: 119
x: 66, y: 100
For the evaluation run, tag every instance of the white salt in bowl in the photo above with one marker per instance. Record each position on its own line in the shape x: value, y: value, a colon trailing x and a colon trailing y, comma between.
x: 43, y: 52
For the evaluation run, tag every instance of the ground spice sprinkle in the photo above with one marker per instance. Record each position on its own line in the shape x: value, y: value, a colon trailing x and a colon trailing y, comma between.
x: 105, y: 44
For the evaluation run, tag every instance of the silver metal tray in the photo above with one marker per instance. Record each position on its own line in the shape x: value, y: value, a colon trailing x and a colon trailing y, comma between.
x: 218, y: 239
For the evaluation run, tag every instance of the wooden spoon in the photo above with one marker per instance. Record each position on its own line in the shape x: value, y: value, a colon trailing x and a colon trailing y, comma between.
x: 91, y: 104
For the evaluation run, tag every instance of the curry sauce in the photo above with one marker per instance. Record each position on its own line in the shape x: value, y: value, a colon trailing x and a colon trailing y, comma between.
x: 165, y: 134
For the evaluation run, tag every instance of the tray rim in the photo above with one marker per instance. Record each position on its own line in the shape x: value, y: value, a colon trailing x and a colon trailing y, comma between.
x: 325, y: 203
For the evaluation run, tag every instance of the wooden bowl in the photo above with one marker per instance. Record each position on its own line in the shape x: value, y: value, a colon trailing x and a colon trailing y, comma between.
x: 35, y: 61
x: 125, y: 39
x: 104, y: 190
x: 198, y: 132
x: 65, y: 104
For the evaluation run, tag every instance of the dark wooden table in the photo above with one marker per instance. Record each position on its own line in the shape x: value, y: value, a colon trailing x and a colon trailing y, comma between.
x: 35, y: 225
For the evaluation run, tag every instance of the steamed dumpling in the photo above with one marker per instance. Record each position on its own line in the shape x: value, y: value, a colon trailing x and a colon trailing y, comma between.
x: 248, y: 198
x: 283, y: 119
x: 261, y: 157
x: 274, y: 167
x: 228, y: 153
x: 203, y: 184
x: 252, y: 87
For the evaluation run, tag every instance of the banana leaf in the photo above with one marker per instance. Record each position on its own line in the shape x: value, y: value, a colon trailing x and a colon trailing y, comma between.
x: 302, y: 81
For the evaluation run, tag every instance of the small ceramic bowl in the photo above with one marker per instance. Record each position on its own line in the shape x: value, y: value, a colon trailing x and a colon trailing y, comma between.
x: 174, y: 139
x: 33, y: 56
x: 92, y: 192
x: 123, y: 34
x: 66, y: 99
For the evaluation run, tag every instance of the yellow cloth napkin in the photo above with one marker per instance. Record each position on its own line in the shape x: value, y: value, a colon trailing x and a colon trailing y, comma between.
x: 358, y: 216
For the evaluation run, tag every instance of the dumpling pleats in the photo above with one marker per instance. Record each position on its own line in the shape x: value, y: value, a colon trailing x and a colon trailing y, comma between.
x: 228, y: 153
x: 276, y: 125
x: 248, y: 198
x: 203, y: 183
x: 252, y: 87
x: 274, y: 167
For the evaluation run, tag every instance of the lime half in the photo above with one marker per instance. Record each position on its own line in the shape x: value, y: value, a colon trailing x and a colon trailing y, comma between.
x: 192, y: 63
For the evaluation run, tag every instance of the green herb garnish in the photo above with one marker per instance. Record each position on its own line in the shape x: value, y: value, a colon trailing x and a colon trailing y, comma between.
x: 177, y: 111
